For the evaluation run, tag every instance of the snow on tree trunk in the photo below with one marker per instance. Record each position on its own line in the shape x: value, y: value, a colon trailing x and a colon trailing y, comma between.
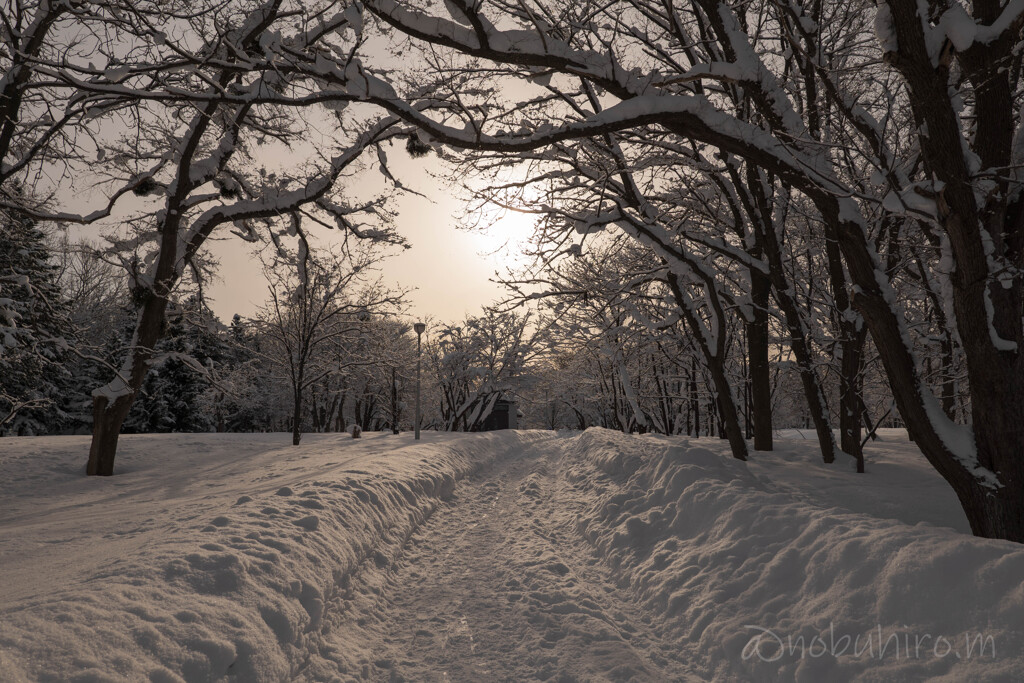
x: 112, y: 402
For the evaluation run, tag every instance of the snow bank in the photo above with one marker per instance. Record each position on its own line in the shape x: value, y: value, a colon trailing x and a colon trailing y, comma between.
x: 207, y: 557
x: 232, y: 557
x: 777, y: 571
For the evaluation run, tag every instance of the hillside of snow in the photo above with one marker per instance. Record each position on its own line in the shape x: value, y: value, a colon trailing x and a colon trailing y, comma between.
x: 501, y: 556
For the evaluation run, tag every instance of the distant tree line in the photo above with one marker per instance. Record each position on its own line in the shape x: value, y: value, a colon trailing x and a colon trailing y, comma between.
x: 328, y: 351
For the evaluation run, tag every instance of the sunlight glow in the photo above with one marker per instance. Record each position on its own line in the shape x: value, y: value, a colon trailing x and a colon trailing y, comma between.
x: 504, y: 236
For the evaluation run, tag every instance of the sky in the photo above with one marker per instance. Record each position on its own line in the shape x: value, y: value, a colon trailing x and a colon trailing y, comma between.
x: 449, y: 270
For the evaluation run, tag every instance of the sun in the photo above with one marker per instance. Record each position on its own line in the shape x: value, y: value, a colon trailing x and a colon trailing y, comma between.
x: 504, y: 236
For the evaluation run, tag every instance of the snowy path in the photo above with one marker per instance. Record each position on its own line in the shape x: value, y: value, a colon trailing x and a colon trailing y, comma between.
x: 499, y: 586
x: 504, y: 556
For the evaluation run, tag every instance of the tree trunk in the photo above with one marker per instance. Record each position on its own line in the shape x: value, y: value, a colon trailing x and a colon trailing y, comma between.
x: 767, y: 243
x: 851, y: 332
x: 995, y: 513
x: 760, y: 369
x: 316, y: 413
x: 341, y: 424
x: 948, y: 378
x: 722, y: 431
x: 798, y: 343
x: 664, y: 406
x: 748, y: 416
x: 997, y: 394
x: 694, y: 399
x: 297, y: 417
x: 332, y: 413
x: 850, y: 400
x: 108, y: 417
x: 369, y: 408
x: 982, y: 231
x: 997, y: 409
x: 394, y: 401
x: 715, y: 361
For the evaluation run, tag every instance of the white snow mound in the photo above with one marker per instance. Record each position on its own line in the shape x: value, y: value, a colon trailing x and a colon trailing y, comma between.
x: 769, y: 580
x: 206, y: 557
x: 232, y: 557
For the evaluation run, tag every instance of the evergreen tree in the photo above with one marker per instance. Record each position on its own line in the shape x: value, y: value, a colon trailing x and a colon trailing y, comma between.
x: 255, y: 401
x: 91, y: 369
x: 96, y: 291
x: 173, y: 395
x: 33, y: 329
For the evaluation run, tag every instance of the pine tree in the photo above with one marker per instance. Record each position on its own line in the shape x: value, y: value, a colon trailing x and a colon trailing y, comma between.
x: 253, y: 401
x: 91, y: 369
x: 34, y: 326
x: 172, y: 397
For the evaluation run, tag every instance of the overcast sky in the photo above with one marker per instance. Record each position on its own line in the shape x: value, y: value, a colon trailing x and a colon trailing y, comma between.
x: 449, y: 268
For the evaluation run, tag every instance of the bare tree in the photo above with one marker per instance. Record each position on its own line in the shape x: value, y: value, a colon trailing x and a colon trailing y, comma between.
x: 195, y: 89
x: 962, y: 186
x: 911, y: 137
x: 318, y: 308
x: 478, y: 361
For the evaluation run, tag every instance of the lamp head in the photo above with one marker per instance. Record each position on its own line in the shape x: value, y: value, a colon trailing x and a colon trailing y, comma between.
x: 419, y: 327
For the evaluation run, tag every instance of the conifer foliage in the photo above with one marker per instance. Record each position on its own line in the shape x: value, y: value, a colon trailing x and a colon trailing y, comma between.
x: 33, y: 327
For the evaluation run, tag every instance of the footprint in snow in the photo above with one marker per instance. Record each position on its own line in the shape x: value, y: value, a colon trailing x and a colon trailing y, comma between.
x: 309, y: 523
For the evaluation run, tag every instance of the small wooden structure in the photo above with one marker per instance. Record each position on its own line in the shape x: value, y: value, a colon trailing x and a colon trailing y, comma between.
x: 504, y: 415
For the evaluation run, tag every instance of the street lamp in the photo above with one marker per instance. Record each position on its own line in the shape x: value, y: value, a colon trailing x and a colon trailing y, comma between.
x: 419, y: 327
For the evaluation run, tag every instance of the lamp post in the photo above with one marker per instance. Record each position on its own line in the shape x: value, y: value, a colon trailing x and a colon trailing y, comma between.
x: 419, y: 327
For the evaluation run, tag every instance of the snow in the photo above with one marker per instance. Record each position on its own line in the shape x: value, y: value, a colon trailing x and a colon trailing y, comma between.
x: 910, y: 201
x: 206, y: 555
x: 885, y: 32
x: 959, y: 27
x: 354, y: 17
x: 456, y: 13
x: 748, y: 63
x: 499, y: 556
x: 113, y: 390
x: 723, y: 550
x: 1010, y: 14
x: 998, y: 342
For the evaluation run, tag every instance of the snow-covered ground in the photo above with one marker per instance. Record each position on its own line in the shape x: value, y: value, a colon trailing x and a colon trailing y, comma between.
x: 499, y: 556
